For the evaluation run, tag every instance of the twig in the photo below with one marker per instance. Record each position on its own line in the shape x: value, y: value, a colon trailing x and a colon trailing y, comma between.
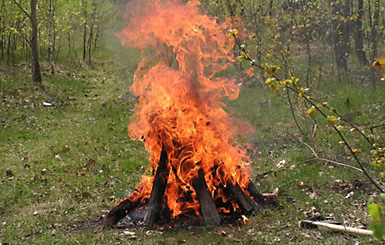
x: 345, y: 120
x: 293, y: 114
x: 334, y: 163
x: 315, y: 154
x: 376, y: 126
x: 314, y: 130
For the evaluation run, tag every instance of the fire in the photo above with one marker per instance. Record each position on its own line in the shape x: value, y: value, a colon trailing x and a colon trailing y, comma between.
x: 181, y: 107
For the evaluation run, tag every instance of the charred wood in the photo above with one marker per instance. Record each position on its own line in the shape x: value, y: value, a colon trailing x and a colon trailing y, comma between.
x: 252, y: 189
x: 118, y: 213
x: 247, y: 205
x: 207, y: 206
x: 157, y: 192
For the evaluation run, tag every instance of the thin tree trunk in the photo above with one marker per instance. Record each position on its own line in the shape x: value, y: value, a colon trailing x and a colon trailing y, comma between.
x: 2, y: 27
x: 69, y: 42
x: 85, y: 30
x: 374, y: 31
x: 96, y: 36
x: 322, y: 60
x: 341, y: 34
x: 91, y: 34
x: 9, y: 47
x: 308, y: 61
x: 359, y: 35
x: 50, y: 39
x: 271, y: 8
x: 374, y: 37
x: 36, y: 75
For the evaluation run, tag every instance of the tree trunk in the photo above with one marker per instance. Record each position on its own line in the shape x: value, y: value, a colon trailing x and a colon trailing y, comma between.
x: 342, y: 34
x: 271, y: 8
x: 359, y: 35
x: 36, y: 76
x: 91, y: 34
x: 85, y: 30
x: 374, y: 29
x: 96, y: 36
x: 374, y: 36
x: 2, y: 27
x: 50, y: 38
x: 9, y: 46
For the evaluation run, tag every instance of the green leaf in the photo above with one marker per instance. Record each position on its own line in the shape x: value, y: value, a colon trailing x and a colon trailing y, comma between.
x: 374, y: 211
x: 378, y: 229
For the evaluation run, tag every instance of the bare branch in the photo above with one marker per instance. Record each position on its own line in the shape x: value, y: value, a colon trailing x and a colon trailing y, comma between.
x: 22, y: 9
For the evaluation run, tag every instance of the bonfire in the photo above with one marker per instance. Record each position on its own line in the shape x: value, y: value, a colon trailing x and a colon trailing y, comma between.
x: 198, y: 167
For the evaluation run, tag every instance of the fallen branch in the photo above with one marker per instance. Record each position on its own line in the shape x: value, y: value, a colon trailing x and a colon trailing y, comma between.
x: 326, y: 226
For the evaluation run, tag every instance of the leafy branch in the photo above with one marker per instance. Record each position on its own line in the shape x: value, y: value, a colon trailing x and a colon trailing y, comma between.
x: 291, y: 84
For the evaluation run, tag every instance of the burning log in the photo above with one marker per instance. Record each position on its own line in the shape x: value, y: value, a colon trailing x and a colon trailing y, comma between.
x: 157, y: 192
x: 247, y: 205
x: 118, y: 213
x: 207, y: 205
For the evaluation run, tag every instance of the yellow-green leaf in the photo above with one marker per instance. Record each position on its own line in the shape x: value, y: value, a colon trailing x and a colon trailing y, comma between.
x: 340, y: 128
x: 331, y: 120
x: 374, y: 211
x: 311, y: 112
x: 354, y: 150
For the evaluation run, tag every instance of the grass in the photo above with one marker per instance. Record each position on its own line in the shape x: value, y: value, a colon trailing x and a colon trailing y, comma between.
x: 61, y: 167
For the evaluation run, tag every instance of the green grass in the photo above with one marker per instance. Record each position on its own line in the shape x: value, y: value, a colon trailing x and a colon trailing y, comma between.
x: 61, y: 167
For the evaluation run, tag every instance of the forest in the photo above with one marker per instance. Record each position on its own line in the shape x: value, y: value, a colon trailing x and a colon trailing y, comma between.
x: 294, y: 89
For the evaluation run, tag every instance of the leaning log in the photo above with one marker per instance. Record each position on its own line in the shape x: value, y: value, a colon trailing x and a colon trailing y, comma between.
x: 207, y: 206
x: 247, y: 205
x: 157, y: 192
x: 264, y: 200
x: 252, y: 189
x: 118, y: 213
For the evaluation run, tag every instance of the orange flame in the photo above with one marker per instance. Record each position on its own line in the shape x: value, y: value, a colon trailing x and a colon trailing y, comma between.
x: 181, y: 100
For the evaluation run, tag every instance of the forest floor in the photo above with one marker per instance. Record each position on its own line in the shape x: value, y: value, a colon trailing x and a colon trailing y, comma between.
x: 62, y: 167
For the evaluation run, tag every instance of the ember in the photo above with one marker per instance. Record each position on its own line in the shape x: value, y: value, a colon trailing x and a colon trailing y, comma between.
x: 197, y: 166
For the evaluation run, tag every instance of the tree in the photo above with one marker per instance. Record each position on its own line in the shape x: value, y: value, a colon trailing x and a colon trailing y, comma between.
x: 51, y: 40
x: 36, y: 75
x: 33, y: 42
x: 359, y: 34
x: 341, y: 34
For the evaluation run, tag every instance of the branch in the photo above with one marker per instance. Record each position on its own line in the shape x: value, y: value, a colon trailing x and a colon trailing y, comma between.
x: 343, y: 139
x: 376, y: 126
x: 310, y: 100
x: 22, y: 9
x: 293, y: 114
